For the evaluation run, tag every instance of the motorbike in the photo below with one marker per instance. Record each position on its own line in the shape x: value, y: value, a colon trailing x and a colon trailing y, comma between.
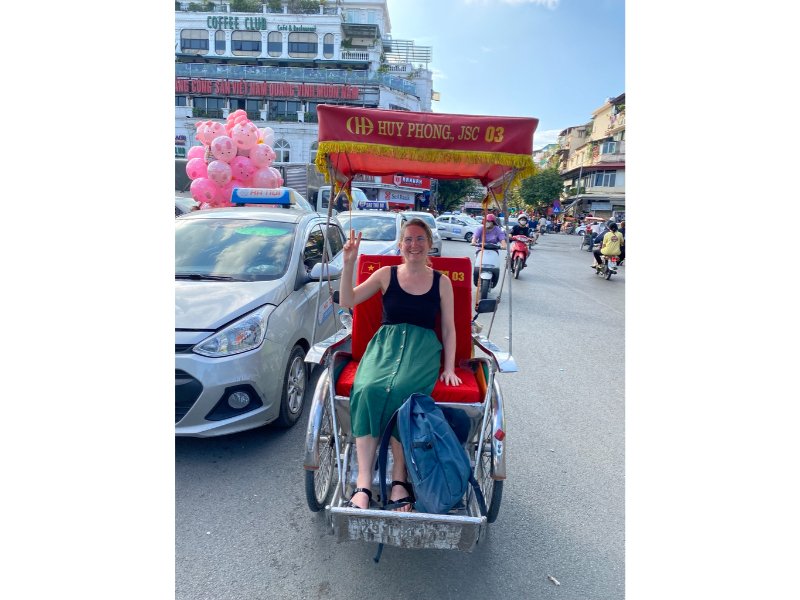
x: 588, y: 240
x: 486, y: 272
x: 518, y: 254
x: 608, y: 266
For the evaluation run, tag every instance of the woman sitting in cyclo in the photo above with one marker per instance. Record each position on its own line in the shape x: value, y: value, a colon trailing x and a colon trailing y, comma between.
x: 404, y: 355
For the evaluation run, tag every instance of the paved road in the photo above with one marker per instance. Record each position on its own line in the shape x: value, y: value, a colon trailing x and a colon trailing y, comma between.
x: 244, y: 532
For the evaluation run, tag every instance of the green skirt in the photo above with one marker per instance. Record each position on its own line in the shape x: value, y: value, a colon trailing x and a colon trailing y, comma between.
x: 399, y: 360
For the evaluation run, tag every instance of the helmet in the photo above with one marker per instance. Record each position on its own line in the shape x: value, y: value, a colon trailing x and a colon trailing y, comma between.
x: 523, y: 217
x: 491, y: 217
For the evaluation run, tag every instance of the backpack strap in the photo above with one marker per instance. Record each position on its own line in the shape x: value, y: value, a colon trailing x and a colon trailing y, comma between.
x: 383, y: 456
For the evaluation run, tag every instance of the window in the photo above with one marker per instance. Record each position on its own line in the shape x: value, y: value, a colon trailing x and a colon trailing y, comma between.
x: 312, y: 153
x: 284, y: 110
x: 194, y: 41
x: 208, y: 107
x: 327, y: 45
x: 303, y: 45
x: 253, y: 109
x: 275, y: 43
x: 605, y: 178
x: 335, y: 240
x: 281, y: 151
x: 180, y: 100
x: 608, y: 148
x: 219, y: 42
x: 312, y: 254
x: 246, y: 43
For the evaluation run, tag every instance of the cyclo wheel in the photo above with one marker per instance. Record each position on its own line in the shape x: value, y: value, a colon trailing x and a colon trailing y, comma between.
x: 319, y: 483
x: 492, y: 489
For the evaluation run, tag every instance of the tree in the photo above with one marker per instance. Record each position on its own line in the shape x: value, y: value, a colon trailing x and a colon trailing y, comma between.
x: 542, y: 189
x: 451, y: 192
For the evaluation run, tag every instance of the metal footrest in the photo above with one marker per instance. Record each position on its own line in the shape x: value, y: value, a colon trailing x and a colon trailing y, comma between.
x: 407, y: 530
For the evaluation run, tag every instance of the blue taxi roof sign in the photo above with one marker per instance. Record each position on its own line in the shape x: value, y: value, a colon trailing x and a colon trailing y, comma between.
x: 280, y: 196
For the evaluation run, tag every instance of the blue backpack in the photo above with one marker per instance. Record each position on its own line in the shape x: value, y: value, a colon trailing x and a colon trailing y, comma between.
x: 437, y: 464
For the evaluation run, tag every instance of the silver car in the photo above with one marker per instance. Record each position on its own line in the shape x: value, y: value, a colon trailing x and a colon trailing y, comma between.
x: 460, y: 227
x: 436, y: 250
x: 380, y: 230
x: 246, y: 289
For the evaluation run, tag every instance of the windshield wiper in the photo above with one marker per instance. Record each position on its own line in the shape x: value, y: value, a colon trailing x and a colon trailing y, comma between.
x: 204, y: 277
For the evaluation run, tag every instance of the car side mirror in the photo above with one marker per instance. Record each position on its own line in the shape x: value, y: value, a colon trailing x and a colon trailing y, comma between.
x: 320, y: 271
x: 488, y: 305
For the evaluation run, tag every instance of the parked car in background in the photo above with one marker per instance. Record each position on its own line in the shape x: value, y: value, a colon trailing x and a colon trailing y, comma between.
x: 436, y: 250
x: 246, y: 291
x: 380, y: 230
x: 460, y: 227
x: 185, y: 204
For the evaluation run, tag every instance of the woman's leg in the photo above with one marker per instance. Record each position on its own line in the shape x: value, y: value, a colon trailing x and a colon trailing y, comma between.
x: 398, y: 474
x: 365, y: 452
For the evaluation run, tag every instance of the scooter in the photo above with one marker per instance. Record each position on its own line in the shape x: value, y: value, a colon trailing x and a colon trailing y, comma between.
x: 608, y: 266
x: 519, y: 253
x: 486, y: 272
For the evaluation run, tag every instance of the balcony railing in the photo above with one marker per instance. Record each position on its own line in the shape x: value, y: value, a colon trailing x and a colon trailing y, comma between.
x: 617, y: 122
x: 255, y: 7
x: 350, y: 55
x: 301, y: 75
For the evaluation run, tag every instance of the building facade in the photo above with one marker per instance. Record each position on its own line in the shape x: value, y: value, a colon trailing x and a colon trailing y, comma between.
x: 279, y: 59
x: 592, y: 163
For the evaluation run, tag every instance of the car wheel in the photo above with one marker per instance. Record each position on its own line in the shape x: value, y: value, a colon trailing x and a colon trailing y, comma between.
x: 295, y: 379
x: 468, y: 237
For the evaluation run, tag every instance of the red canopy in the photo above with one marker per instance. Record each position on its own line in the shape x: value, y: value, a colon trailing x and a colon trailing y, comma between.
x: 374, y: 141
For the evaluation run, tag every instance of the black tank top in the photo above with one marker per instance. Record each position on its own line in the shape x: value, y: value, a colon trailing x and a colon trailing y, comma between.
x: 401, y: 307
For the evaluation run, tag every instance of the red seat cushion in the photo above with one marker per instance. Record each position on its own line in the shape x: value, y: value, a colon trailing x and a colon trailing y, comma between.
x: 466, y: 392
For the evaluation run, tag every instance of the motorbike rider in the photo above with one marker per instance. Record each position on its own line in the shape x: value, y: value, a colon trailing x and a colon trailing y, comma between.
x: 522, y: 228
x: 490, y: 231
x: 611, y: 244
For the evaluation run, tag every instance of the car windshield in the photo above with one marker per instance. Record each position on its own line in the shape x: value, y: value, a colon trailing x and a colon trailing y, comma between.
x: 373, y: 228
x: 425, y: 217
x: 232, y: 249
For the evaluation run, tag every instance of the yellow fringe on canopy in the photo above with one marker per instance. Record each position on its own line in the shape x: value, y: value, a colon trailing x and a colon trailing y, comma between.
x: 523, y: 162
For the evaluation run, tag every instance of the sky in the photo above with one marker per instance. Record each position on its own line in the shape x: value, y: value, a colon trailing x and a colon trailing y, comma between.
x: 556, y: 60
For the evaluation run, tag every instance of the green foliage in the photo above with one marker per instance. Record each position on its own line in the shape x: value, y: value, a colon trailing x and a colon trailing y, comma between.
x: 541, y: 189
x: 275, y: 5
x: 303, y: 6
x: 245, y: 6
x: 451, y: 192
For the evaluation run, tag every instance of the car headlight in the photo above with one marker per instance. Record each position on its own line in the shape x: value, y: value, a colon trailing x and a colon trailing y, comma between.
x: 240, y: 336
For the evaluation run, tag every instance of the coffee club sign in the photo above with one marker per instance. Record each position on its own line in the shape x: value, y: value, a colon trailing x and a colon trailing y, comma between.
x: 252, y: 24
x: 241, y: 87
x: 249, y: 23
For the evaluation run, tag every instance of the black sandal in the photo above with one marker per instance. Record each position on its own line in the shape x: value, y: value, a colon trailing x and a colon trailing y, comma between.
x: 366, y: 491
x: 397, y: 504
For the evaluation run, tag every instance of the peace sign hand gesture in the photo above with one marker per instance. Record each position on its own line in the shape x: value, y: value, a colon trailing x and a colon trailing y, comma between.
x: 351, y: 248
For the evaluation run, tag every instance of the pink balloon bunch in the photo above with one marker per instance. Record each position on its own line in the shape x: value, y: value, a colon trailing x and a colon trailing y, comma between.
x: 236, y: 154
